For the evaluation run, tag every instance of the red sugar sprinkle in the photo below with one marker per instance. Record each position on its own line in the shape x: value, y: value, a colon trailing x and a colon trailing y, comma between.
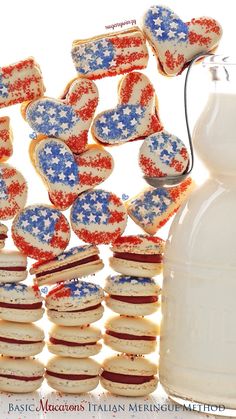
x: 88, y: 110
x: 146, y: 95
x: 149, y: 167
x: 126, y: 41
x: 98, y: 237
x: 78, y: 143
x: 116, y: 217
x: 128, y: 86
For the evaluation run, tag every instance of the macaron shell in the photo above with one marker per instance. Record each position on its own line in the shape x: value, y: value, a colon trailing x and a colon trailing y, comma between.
x: 73, y: 351
x: 24, y: 332
x: 68, y: 318
x: 139, y: 244
x: 128, y: 309
x: 21, y: 315
x: 131, y: 285
x: 72, y: 387
x: 134, y: 347
x: 133, y: 268
x: 129, y: 390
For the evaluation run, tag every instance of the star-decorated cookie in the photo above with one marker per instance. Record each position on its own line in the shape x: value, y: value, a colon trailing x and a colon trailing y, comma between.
x: 110, y: 54
x: 135, y: 117
x: 163, y: 154
x: 68, y: 118
x: 152, y: 208
x: 41, y: 232
x: 65, y: 174
x: 98, y: 217
x: 19, y: 82
x: 13, y: 191
x: 6, y: 148
x: 174, y: 42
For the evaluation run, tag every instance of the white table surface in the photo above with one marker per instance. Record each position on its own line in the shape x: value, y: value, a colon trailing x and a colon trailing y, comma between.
x: 95, y: 405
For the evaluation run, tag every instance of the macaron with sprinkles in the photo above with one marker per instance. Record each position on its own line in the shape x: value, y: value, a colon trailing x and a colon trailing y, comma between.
x: 3, y: 235
x: 73, y: 263
x: 20, y: 339
x: 20, y: 375
x: 98, y: 217
x: 132, y: 296
x: 75, y: 303
x: 139, y: 255
x: 74, y: 342
x: 129, y: 376
x: 131, y: 335
x: 41, y: 232
x: 73, y: 376
x: 13, y: 266
x: 20, y: 303
x: 163, y: 154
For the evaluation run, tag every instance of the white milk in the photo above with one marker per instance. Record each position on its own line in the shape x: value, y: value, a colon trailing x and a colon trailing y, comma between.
x: 198, y: 337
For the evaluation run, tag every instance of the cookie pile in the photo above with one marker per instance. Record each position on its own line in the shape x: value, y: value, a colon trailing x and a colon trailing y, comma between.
x: 72, y: 170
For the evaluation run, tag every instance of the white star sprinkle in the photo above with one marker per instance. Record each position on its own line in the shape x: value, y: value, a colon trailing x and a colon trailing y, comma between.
x: 40, y: 109
x: 159, y: 32
x: 106, y: 53
x: 39, y: 120
x: 52, y: 121
x: 48, y: 150
x: 47, y: 222
x: 182, y: 35
x: 113, y: 63
x: 35, y: 230
x: 54, y: 216
x: 64, y: 125
x: 103, y: 218
x: 103, y: 119
x: 157, y: 21
x: 25, y: 223
x: 133, y: 121
x: 51, y: 111
x: 47, y: 236
x: 53, y: 131
x: 43, y: 213
x: 61, y: 176
x: 62, y: 114
x: 55, y: 160
x: 126, y: 111
x: 68, y: 164
x: 139, y: 111
x: 125, y: 132
x: 79, y: 217
x: 50, y: 172
x: 120, y: 125
x: 105, y: 130
x: 99, y: 60
x: 71, y: 176
x: 98, y: 206
x: 34, y: 218
x: 86, y: 206
x: 174, y: 25
x: 94, y: 48
x: 62, y: 151
x: 171, y: 34
x: 92, y: 218
x: 115, y: 117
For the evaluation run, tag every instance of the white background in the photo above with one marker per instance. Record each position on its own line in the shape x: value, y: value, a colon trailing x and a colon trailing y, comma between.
x: 45, y: 30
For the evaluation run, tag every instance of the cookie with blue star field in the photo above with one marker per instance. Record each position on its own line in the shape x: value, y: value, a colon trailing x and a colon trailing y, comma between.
x: 98, y: 217
x: 40, y: 232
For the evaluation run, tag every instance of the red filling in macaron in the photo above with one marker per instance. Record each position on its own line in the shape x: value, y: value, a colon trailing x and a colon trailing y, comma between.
x: 22, y: 342
x: 70, y: 376
x: 21, y: 378
x: 68, y: 266
x: 3, y: 236
x: 136, y: 257
x: 127, y: 379
x: 127, y: 336
x: 13, y: 268
x: 66, y: 343
x: 136, y: 300
x: 33, y: 306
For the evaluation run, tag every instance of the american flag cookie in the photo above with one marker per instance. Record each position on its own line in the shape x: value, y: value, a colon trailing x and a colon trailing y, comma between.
x: 65, y: 174
x: 136, y: 115
x: 68, y: 118
x: 40, y: 232
x: 174, y: 42
x: 98, y: 217
x: 6, y: 148
x: 13, y: 191
x: 19, y: 82
x: 110, y: 54
x: 152, y: 208
x: 163, y: 154
x: 76, y: 262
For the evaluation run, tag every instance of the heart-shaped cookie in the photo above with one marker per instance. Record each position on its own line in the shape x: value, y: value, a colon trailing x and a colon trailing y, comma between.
x: 13, y: 191
x: 176, y: 43
x: 69, y: 118
x: 6, y: 148
x: 163, y: 154
x: 134, y: 117
x: 66, y: 174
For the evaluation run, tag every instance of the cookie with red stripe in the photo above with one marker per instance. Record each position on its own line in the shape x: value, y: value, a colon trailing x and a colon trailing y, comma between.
x: 135, y: 117
x: 20, y: 303
x: 110, y: 54
x: 41, y: 232
x: 19, y: 82
x: 152, y: 208
x: 131, y: 295
x: 75, y: 303
x: 163, y: 154
x: 73, y: 376
x: 174, y: 42
x: 20, y: 375
x: 129, y: 376
x: 131, y: 335
x: 13, y: 191
x: 13, y: 266
x: 68, y: 118
x: 137, y: 255
x: 74, y: 342
x: 98, y: 217
x: 73, y: 263
x: 6, y: 148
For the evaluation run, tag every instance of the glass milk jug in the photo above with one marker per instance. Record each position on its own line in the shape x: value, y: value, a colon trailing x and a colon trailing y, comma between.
x: 198, y: 334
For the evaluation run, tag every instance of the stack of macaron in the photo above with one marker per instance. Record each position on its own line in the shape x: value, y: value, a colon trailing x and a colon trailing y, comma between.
x: 133, y: 295
x: 73, y: 306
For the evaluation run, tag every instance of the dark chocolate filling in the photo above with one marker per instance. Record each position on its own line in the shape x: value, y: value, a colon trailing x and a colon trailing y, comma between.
x: 127, y: 336
x: 136, y: 300
x: 138, y: 258
x: 33, y: 306
x: 70, y: 376
x: 67, y: 343
x: 68, y: 266
x: 18, y: 377
x: 127, y: 379
x: 23, y: 342
x: 78, y: 311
